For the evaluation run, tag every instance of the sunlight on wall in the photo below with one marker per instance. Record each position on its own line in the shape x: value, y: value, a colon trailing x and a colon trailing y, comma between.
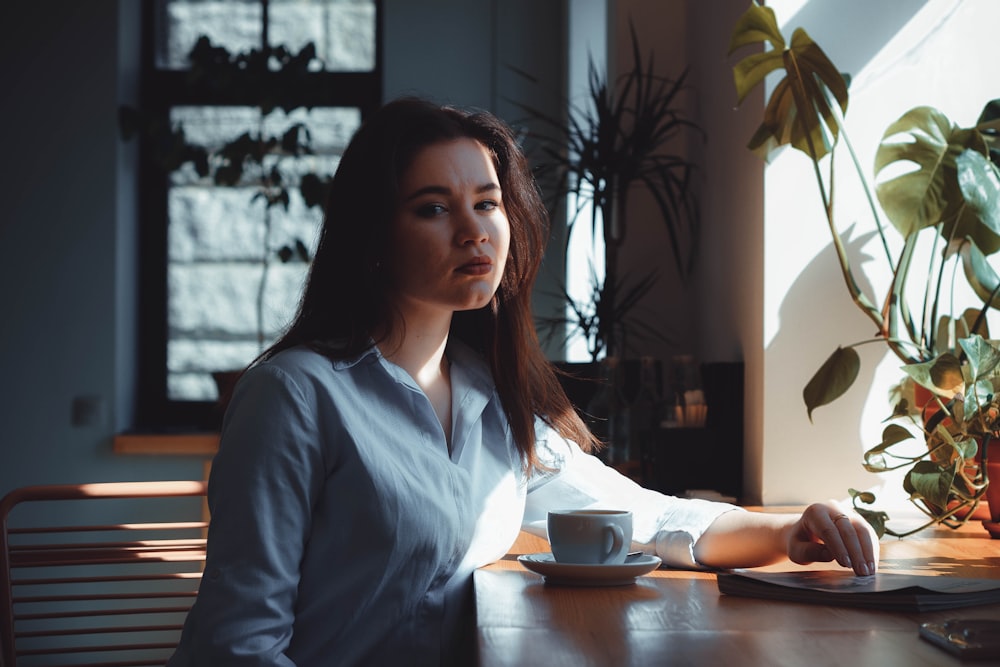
x: 900, y: 55
x: 588, y: 42
x: 788, y: 9
x: 584, y: 269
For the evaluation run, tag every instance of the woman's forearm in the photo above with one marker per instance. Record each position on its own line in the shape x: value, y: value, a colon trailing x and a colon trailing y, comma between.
x: 822, y: 533
x: 744, y: 539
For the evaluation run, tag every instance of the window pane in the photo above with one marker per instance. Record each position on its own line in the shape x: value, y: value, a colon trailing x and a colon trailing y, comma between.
x: 233, y: 24
x: 343, y: 31
x: 229, y: 293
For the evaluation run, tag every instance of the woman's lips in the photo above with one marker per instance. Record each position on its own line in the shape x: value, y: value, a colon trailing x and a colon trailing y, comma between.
x: 477, y: 267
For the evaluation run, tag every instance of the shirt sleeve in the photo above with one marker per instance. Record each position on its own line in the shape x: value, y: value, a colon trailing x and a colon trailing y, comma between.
x: 662, y: 524
x: 263, y: 485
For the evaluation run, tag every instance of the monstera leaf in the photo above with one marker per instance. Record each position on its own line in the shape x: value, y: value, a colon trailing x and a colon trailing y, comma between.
x: 980, y: 275
x: 924, y: 145
x: 979, y: 181
x: 989, y: 124
x: 799, y: 112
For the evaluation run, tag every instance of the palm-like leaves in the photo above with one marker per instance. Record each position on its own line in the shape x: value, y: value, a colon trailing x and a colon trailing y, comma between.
x: 600, y: 319
x: 625, y: 136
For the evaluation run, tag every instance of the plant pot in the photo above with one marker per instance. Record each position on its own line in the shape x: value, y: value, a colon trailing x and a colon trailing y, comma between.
x: 992, y: 522
x: 923, y: 399
x: 928, y: 407
x: 982, y: 511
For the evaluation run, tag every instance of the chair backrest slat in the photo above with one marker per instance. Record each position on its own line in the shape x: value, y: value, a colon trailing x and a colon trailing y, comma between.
x: 92, y: 630
x: 18, y: 581
x: 121, y: 526
x: 71, y: 585
x: 92, y: 613
x: 83, y: 649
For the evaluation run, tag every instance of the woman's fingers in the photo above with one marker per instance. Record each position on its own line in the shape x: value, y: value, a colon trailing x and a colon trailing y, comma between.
x: 860, y: 541
x: 836, y: 534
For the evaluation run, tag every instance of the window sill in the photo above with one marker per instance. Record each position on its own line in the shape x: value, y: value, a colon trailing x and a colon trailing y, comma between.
x: 186, y: 444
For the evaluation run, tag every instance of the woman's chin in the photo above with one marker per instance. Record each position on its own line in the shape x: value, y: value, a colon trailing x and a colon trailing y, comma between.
x: 477, y: 302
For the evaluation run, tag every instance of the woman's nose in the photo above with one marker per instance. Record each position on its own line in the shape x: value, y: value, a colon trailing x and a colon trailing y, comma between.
x: 471, y: 231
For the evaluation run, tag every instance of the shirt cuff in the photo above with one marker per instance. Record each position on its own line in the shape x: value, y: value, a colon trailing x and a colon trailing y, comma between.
x: 675, y: 545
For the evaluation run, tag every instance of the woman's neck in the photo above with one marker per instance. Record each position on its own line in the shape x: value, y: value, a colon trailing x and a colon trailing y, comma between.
x: 420, y: 352
x: 418, y: 346
x: 422, y: 357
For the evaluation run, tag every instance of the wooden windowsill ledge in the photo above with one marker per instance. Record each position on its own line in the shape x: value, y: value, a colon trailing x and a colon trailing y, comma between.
x: 189, y: 444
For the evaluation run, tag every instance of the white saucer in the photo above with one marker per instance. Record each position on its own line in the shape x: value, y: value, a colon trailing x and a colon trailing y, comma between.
x: 572, y: 574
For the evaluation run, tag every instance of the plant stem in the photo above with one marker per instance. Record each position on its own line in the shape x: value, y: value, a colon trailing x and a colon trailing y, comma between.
x: 265, y: 266
x: 842, y: 131
x: 845, y: 266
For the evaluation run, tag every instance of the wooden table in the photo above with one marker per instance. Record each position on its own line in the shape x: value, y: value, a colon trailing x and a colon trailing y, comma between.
x: 672, y: 617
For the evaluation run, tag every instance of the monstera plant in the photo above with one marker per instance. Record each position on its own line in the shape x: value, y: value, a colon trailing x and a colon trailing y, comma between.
x: 938, y: 187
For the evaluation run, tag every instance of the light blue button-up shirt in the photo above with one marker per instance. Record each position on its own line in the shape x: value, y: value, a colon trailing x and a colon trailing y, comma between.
x: 344, y: 531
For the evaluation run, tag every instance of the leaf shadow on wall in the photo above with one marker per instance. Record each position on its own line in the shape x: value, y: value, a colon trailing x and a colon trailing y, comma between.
x: 816, y: 316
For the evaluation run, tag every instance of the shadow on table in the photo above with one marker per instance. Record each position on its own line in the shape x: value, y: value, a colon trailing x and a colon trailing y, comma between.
x: 982, y: 567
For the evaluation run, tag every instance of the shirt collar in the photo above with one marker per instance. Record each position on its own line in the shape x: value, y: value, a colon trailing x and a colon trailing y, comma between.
x: 350, y: 362
x: 458, y: 352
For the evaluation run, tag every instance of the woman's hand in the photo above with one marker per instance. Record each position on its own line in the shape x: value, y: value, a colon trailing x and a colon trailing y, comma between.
x: 827, y: 531
x: 822, y: 533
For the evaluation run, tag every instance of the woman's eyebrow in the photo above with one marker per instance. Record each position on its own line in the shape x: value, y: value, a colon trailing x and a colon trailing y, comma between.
x: 442, y: 190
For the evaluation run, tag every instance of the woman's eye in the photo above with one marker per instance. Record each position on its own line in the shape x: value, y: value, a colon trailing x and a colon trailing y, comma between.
x: 487, y: 205
x: 430, y: 210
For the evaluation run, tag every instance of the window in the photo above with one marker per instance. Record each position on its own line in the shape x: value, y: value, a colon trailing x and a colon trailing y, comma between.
x: 266, y: 95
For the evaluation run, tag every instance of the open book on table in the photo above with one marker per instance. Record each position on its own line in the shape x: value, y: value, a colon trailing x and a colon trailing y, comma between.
x: 884, y: 590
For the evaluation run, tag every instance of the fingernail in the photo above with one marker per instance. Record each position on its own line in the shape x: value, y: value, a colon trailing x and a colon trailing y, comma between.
x: 871, y: 567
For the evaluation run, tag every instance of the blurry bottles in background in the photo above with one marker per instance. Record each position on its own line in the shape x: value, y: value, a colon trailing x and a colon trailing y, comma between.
x: 687, y: 397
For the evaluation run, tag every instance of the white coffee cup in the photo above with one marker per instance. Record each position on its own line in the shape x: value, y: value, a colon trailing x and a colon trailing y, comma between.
x: 594, y: 537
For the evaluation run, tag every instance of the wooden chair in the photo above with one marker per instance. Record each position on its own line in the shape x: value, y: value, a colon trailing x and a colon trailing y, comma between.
x: 98, y: 574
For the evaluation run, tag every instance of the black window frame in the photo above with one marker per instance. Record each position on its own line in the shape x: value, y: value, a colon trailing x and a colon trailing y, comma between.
x: 159, y: 91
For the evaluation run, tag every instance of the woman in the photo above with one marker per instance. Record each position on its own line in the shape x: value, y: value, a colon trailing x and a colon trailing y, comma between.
x: 407, y: 425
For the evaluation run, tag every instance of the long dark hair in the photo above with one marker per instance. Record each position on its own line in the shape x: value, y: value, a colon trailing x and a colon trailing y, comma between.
x: 347, y: 298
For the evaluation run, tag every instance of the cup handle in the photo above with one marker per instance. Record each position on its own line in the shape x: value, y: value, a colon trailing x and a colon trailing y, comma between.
x: 617, y: 540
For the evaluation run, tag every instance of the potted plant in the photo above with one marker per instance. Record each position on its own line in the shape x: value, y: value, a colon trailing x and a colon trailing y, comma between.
x: 271, y: 78
x: 624, y: 136
x: 950, y: 201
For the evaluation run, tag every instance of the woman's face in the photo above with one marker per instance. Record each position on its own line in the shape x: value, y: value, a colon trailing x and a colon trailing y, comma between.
x: 450, y: 234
